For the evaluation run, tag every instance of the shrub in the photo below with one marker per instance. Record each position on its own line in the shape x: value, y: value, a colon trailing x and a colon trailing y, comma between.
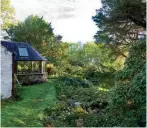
x: 74, y: 81
x: 66, y: 113
x: 128, y: 98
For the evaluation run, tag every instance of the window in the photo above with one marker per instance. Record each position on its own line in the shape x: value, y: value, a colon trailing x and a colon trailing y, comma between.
x: 23, y: 52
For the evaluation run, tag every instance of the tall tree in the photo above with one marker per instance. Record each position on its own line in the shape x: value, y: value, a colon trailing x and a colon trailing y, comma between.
x: 58, y: 38
x: 7, y: 14
x: 120, y: 20
x: 34, y: 30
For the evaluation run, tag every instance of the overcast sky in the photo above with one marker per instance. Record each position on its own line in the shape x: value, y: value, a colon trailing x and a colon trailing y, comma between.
x: 70, y: 18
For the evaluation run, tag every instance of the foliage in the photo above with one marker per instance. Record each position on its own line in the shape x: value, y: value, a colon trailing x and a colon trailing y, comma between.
x: 60, y: 113
x: 34, y: 30
x: 118, y: 20
x: 84, y: 77
x: 74, y: 81
x: 70, y: 93
x: 119, y: 23
x: 78, y: 62
x: 128, y: 97
x: 58, y: 38
x: 104, y: 79
x: 76, y: 106
x: 93, y: 55
x: 125, y: 101
x: 58, y: 51
x: 7, y: 14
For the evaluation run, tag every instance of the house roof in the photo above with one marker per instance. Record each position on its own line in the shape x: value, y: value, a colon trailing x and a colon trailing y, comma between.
x: 13, y: 47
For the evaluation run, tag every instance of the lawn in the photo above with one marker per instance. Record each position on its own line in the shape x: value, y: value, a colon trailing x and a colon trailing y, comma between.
x: 29, y: 111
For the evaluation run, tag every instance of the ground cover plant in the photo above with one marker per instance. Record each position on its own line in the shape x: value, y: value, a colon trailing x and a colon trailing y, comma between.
x: 77, y: 103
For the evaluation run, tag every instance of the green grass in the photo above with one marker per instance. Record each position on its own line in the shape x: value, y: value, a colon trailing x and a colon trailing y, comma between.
x: 29, y: 111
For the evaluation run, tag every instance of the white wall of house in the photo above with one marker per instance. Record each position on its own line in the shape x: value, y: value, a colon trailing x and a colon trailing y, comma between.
x: 6, y: 73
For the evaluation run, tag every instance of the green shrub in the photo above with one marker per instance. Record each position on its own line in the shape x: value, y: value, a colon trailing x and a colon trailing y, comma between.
x: 93, y: 120
x: 66, y: 113
x: 56, y: 114
x: 62, y: 115
x: 74, y: 81
x: 128, y: 97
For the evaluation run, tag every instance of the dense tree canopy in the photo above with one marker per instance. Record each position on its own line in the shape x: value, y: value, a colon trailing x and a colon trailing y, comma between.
x: 34, y: 30
x: 119, y: 21
x: 7, y: 14
x: 94, y: 55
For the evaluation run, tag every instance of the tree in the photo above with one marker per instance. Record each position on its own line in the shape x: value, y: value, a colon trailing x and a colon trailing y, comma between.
x: 58, y: 38
x: 35, y: 31
x: 7, y: 14
x: 92, y: 55
x: 119, y: 21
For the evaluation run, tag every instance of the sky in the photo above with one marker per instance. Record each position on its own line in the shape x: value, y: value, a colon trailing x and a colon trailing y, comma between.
x: 70, y: 18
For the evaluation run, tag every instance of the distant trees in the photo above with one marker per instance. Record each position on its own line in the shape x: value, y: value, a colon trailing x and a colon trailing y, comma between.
x: 73, y: 59
x: 98, y: 55
x: 7, y: 14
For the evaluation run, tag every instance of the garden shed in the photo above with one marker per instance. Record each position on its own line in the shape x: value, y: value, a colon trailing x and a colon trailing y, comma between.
x: 20, y: 60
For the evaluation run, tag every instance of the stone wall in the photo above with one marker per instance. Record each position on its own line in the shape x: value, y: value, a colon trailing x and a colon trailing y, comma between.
x: 29, y: 79
x: 6, y: 73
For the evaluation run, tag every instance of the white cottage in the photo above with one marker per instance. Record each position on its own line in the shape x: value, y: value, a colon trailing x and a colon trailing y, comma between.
x: 6, y: 73
x: 11, y: 54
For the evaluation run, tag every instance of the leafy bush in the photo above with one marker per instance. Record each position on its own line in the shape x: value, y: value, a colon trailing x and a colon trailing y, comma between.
x: 56, y: 114
x: 63, y: 115
x: 80, y: 94
x: 76, y: 106
x: 128, y: 97
x: 74, y: 81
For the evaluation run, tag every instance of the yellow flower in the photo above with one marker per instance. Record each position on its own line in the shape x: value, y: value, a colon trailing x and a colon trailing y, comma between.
x: 79, y: 109
x: 49, y: 65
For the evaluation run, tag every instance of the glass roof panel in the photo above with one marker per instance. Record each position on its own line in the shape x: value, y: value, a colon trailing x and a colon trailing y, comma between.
x: 23, y: 52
